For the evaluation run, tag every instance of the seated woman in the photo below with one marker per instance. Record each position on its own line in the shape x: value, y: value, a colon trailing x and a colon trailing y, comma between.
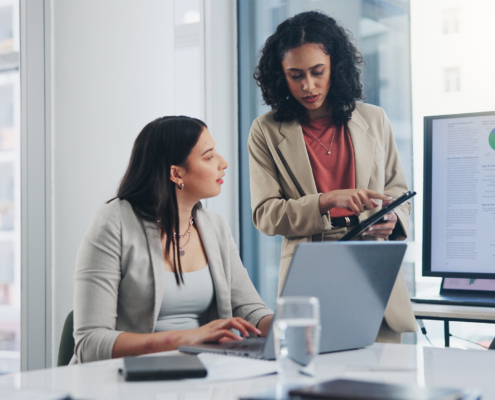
x: 156, y: 270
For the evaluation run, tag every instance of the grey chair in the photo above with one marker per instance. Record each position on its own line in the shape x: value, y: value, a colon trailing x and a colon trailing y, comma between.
x: 67, y: 343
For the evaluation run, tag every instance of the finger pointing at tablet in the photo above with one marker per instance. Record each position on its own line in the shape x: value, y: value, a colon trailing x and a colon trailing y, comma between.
x: 356, y: 200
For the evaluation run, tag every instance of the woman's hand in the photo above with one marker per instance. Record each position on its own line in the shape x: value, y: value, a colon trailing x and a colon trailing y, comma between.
x: 356, y: 200
x: 383, y: 230
x: 219, y: 331
x: 136, y: 344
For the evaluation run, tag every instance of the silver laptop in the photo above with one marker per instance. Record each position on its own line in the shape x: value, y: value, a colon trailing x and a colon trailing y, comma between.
x: 353, y: 281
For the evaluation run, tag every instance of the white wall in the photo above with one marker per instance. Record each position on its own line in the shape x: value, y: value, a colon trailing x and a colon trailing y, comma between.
x: 112, y: 72
x: 221, y: 101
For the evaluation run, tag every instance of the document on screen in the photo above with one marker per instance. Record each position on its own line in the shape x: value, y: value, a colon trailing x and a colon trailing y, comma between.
x: 463, y: 194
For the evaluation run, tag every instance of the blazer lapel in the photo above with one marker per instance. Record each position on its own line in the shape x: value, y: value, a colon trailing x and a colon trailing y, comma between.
x: 156, y: 253
x: 214, y: 256
x: 295, y: 157
x: 364, y: 149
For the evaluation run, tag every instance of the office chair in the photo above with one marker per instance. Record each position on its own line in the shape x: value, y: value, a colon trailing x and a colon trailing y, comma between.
x: 67, y: 343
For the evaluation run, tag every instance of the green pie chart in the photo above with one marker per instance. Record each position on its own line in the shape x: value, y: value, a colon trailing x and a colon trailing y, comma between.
x: 491, y: 139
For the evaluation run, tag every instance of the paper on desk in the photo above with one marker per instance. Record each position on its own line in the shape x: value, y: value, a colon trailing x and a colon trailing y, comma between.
x: 221, y: 367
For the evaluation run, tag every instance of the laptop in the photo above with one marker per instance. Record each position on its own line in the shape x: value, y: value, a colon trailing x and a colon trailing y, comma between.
x: 352, y: 280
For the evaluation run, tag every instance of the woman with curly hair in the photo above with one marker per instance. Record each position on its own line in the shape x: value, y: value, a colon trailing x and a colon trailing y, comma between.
x: 320, y: 161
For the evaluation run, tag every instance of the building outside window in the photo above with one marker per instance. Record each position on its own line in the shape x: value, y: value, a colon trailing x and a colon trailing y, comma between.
x: 451, y: 74
x: 9, y: 188
x: 452, y: 79
x: 451, y: 24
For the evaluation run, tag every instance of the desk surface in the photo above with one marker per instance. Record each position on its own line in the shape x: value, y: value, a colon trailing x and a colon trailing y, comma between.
x: 453, y: 312
x: 392, y: 363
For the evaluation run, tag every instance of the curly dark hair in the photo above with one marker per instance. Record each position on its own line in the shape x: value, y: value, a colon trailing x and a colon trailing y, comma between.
x: 310, y: 27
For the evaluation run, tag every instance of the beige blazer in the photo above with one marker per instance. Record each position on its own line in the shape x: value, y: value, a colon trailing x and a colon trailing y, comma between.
x: 119, y: 278
x: 284, y: 197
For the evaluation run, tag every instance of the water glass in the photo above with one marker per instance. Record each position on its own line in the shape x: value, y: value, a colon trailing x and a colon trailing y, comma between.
x: 297, y: 336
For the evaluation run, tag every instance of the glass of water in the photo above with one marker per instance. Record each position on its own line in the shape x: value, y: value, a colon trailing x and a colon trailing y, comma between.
x: 297, y: 336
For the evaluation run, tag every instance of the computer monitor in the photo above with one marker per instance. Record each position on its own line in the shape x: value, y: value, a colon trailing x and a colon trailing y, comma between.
x: 459, y: 199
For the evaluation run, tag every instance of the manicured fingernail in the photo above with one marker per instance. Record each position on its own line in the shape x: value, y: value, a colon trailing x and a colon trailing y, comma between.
x: 364, y: 234
x: 258, y: 332
x: 385, y: 218
x: 371, y: 228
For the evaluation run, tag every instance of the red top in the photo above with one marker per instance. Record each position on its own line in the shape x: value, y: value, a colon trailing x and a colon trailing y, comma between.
x: 332, y: 171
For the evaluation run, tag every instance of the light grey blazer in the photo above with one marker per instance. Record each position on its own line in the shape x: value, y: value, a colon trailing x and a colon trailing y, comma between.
x: 119, y: 283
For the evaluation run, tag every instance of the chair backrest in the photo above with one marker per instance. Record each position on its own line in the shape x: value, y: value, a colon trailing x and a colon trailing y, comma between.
x: 67, y: 343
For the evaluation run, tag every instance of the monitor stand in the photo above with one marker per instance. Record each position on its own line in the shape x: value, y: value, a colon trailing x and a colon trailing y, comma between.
x: 462, y: 291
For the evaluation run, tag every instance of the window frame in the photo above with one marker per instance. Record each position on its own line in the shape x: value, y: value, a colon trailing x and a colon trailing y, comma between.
x: 36, y: 276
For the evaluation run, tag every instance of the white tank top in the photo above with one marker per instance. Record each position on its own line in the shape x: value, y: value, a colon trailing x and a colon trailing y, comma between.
x: 183, y: 305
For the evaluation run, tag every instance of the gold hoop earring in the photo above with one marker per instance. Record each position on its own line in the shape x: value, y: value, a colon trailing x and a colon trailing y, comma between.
x: 181, y: 186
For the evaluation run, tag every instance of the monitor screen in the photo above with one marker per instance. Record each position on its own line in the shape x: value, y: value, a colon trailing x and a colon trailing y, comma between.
x: 469, y: 284
x: 459, y: 196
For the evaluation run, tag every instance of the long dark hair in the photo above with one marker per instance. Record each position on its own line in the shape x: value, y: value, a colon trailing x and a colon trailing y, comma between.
x: 146, y: 184
x: 310, y: 27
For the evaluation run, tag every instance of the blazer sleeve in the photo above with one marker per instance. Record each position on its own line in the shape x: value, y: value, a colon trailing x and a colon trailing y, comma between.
x: 246, y: 302
x: 395, y: 182
x: 97, y: 279
x: 273, y: 214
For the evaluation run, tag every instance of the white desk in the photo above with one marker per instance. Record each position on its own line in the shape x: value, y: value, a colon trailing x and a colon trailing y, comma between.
x: 391, y: 363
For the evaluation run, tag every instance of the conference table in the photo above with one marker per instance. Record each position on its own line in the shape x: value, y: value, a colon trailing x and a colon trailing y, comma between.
x: 389, y: 363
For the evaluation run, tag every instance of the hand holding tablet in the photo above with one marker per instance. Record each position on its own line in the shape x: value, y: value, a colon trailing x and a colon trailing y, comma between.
x: 376, y: 218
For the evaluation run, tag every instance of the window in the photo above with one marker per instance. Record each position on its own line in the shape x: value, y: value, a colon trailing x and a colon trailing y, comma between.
x: 450, y: 21
x: 9, y: 189
x: 451, y: 75
x: 452, y: 79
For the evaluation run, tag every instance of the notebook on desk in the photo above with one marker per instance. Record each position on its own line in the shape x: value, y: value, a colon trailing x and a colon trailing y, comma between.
x: 352, y: 280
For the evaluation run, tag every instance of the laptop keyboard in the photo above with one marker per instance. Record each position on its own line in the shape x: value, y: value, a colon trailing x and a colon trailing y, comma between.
x: 244, y: 345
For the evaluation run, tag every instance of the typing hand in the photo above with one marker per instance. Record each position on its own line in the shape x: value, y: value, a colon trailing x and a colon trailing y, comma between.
x: 219, y: 331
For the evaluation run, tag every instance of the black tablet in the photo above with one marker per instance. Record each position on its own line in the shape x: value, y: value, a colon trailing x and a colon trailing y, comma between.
x: 375, y: 218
